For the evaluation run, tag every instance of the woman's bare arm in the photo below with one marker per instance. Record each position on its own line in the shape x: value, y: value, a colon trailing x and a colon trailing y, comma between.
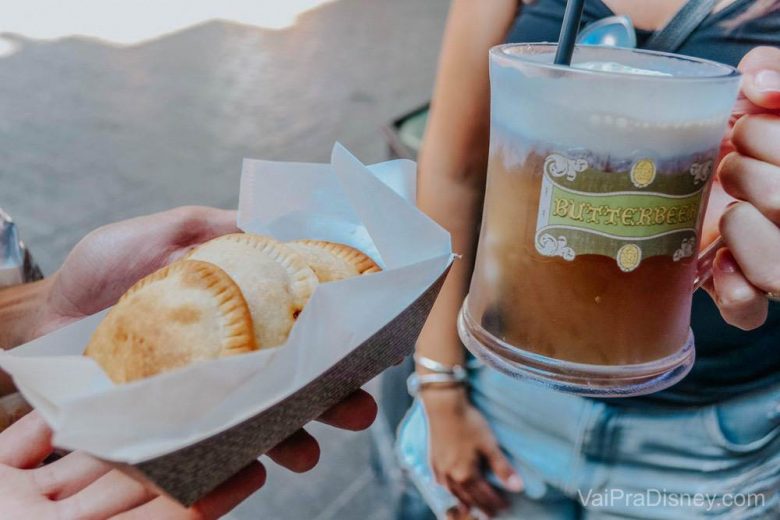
x: 451, y: 188
x: 454, y: 155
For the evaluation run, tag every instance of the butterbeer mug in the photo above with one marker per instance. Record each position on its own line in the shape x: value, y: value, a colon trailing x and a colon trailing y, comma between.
x: 597, y: 182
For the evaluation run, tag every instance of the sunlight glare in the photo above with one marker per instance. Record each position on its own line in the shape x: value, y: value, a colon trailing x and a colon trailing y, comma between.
x: 129, y: 22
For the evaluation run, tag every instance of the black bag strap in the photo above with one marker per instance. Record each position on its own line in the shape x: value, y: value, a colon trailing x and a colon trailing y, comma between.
x: 671, y: 37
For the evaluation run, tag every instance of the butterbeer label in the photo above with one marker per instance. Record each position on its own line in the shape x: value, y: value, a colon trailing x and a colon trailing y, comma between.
x: 626, y: 215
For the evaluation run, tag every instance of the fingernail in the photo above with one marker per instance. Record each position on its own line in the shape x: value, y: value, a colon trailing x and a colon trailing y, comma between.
x: 726, y: 263
x: 767, y: 81
x: 514, y: 483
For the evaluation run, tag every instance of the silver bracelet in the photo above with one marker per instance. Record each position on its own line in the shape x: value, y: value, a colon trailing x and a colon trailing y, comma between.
x: 456, y: 371
x: 417, y: 382
x: 443, y: 375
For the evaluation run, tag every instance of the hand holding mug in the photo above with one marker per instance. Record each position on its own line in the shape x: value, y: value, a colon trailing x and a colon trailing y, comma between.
x: 748, y: 270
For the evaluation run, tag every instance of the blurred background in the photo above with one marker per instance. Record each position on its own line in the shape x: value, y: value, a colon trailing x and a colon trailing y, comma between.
x: 115, y: 108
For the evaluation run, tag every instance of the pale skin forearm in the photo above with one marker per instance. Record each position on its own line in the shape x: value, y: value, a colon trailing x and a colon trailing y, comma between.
x: 453, y: 160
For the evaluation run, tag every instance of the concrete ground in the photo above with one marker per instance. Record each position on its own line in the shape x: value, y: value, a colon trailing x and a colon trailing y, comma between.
x: 92, y: 133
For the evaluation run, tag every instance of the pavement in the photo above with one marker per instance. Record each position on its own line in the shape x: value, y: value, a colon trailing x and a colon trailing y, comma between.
x: 92, y: 133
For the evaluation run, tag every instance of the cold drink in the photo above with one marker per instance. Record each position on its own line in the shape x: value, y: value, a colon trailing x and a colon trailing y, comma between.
x: 597, y: 181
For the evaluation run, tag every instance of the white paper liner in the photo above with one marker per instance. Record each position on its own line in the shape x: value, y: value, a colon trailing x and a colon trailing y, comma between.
x: 367, y: 208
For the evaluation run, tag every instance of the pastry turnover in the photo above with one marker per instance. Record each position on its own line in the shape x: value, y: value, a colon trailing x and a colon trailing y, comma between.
x: 331, y: 261
x: 275, y: 281
x: 231, y: 295
x: 185, y: 312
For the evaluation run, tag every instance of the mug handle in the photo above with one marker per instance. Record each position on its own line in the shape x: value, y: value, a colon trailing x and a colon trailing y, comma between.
x: 704, y: 263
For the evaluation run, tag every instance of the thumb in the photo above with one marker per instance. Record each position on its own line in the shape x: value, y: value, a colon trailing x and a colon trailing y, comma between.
x: 220, y: 221
x: 200, y: 223
x: 761, y: 82
x: 502, y: 468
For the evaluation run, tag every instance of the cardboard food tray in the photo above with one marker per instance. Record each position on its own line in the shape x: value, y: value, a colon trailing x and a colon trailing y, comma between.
x: 191, y: 429
x: 191, y: 472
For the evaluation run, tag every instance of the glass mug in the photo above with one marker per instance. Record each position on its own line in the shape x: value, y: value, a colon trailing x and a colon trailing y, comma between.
x: 597, y: 182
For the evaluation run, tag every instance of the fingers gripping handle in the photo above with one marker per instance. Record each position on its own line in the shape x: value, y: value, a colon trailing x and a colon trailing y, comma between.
x: 705, y: 261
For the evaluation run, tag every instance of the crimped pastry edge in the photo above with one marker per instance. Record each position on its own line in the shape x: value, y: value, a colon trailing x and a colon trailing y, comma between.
x: 361, y: 261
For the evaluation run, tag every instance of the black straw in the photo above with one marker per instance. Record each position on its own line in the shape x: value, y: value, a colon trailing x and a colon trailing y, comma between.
x: 569, y: 29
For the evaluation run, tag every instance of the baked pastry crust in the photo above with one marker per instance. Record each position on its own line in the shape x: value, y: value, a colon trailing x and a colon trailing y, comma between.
x: 331, y: 261
x: 185, y: 312
x: 275, y: 281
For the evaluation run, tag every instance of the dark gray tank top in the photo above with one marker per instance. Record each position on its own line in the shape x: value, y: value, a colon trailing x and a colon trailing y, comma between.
x: 729, y: 361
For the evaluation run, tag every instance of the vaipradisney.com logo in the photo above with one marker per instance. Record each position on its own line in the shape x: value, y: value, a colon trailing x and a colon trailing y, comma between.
x: 653, y: 497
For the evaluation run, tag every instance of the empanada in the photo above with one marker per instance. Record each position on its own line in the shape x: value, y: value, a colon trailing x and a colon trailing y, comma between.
x: 185, y: 312
x: 331, y: 261
x: 275, y: 280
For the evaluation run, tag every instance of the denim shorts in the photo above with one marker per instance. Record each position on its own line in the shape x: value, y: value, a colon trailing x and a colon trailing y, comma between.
x: 584, y: 458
